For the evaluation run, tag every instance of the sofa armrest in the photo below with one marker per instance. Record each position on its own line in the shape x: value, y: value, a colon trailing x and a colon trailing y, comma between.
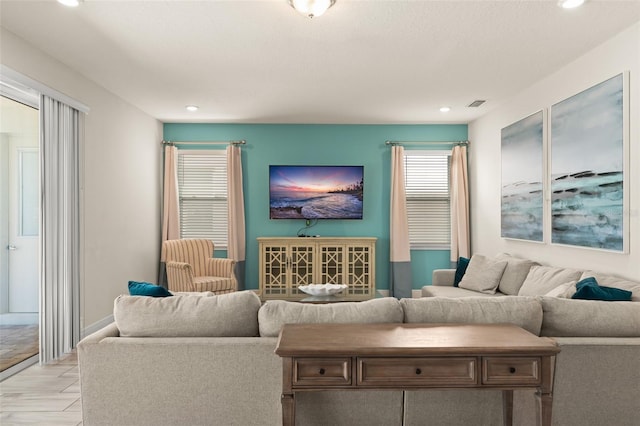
x: 220, y: 267
x: 443, y: 277
x: 179, y: 276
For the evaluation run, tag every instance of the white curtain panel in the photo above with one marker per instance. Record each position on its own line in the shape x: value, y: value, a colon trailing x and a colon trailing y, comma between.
x: 460, y: 245
x: 400, y: 281
x: 235, y: 199
x: 60, y: 229
x: 170, y: 201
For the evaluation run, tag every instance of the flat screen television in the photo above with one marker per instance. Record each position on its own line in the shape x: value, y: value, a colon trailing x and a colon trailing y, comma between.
x: 316, y: 192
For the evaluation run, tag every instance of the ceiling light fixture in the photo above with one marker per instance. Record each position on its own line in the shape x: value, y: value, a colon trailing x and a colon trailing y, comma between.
x: 445, y: 109
x: 192, y: 108
x: 570, y: 4
x: 311, y: 8
x: 70, y: 3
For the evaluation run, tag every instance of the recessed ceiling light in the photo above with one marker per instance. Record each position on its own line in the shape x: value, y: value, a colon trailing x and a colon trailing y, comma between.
x: 445, y: 109
x: 70, y: 3
x: 570, y: 4
x: 192, y: 108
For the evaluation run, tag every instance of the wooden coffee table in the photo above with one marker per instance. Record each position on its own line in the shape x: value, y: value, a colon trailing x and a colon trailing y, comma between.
x: 416, y: 356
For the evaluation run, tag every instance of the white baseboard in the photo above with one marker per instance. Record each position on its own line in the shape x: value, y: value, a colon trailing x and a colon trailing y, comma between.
x: 96, y: 326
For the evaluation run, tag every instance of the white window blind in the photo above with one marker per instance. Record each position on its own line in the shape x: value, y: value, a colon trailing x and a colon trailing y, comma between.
x: 202, y: 188
x: 427, y: 191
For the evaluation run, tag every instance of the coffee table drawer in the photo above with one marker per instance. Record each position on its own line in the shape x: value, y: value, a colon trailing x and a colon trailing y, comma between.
x: 453, y: 371
x: 507, y: 371
x: 321, y: 371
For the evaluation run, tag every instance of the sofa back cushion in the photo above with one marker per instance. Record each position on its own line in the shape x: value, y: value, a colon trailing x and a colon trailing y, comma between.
x: 589, y: 318
x: 525, y: 312
x: 609, y: 280
x: 514, y: 273
x: 275, y: 313
x: 225, y: 315
x: 542, y: 279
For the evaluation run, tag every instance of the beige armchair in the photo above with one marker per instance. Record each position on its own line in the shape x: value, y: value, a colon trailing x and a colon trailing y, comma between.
x: 191, y: 267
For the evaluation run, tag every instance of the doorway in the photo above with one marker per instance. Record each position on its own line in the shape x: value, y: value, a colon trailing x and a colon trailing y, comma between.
x: 19, y: 231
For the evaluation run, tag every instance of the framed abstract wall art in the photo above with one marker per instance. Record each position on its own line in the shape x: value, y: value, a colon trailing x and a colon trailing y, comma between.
x: 522, y: 196
x: 587, y: 137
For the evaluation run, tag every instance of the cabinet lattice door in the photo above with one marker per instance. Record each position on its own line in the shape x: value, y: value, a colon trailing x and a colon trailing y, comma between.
x: 286, y: 263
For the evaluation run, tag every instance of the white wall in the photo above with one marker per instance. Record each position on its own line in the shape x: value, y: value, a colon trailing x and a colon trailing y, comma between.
x: 121, y: 184
x: 621, y: 53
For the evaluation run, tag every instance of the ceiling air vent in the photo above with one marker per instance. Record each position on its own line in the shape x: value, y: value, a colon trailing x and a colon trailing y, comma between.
x: 476, y: 103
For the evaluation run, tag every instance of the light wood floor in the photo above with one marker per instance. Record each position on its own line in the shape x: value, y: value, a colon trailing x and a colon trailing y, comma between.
x: 43, y: 395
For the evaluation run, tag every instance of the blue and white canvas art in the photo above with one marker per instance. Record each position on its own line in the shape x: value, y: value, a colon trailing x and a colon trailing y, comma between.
x: 522, y: 177
x: 587, y: 168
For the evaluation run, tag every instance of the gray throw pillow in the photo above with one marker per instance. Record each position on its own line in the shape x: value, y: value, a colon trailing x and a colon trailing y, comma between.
x: 514, y: 274
x: 542, y: 279
x: 483, y: 274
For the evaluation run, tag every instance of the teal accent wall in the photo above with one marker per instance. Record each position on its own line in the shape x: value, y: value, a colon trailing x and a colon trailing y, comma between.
x: 301, y: 144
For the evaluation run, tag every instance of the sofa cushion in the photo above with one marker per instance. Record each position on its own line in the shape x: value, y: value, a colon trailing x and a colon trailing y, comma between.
x: 589, y: 318
x: 275, y: 313
x: 589, y: 289
x: 525, y: 312
x: 448, y: 291
x: 225, y: 315
x: 609, y: 280
x: 461, y: 268
x: 147, y: 289
x: 483, y: 274
x: 542, y: 279
x: 514, y: 273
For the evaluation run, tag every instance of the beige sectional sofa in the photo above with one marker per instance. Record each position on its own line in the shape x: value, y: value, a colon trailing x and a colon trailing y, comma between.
x: 209, y: 360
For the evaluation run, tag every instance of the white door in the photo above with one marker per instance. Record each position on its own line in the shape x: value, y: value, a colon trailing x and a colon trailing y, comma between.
x: 22, y: 136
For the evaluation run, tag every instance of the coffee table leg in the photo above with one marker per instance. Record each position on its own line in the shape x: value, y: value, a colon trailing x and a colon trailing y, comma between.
x: 507, y: 407
x: 287, y: 398
x: 544, y: 402
x: 288, y: 409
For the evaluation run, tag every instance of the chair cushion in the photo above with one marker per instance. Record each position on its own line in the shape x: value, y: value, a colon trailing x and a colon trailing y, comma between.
x: 525, y: 312
x: 275, y: 313
x: 227, y: 315
x: 483, y: 274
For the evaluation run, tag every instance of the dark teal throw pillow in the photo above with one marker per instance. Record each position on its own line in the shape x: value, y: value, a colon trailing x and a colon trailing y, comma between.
x: 461, y: 268
x: 147, y: 289
x: 588, y: 289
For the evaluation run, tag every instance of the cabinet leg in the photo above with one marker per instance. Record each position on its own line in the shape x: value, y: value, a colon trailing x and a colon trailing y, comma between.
x: 507, y: 407
x: 288, y: 409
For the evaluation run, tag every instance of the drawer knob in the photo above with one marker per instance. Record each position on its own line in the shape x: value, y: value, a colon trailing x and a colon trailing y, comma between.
x: 418, y: 371
x: 321, y: 371
x: 512, y: 370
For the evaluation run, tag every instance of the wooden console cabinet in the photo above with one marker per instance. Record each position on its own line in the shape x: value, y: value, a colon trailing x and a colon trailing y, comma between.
x: 288, y: 262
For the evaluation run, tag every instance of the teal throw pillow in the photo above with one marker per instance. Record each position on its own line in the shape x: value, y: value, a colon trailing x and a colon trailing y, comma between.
x: 588, y: 289
x: 147, y: 289
x: 461, y: 268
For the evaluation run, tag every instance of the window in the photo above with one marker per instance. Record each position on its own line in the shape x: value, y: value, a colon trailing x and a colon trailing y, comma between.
x: 427, y: 190
x: 202, y: 191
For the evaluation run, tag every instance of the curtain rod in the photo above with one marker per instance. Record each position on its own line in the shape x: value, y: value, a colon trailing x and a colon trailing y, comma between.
x: 427, y: 142
x: 241, y: 142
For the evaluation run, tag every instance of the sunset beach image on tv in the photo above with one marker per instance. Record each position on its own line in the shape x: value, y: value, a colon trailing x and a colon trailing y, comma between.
x: 316, y: 192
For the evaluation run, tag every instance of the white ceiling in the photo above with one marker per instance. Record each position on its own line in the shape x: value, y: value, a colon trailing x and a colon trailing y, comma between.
x: 364, y: 61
